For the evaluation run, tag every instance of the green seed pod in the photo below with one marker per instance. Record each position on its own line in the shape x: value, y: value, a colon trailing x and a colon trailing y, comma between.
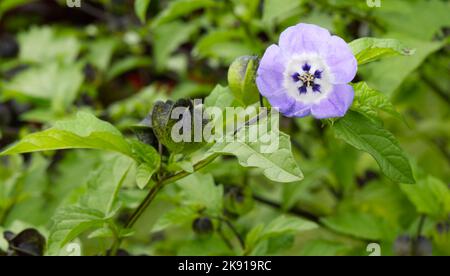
x: 241, y: 79
x: 202, y: 226
x: 238, y: 200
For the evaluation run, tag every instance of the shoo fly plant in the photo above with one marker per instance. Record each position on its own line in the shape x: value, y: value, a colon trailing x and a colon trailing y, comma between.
x: 273, y: 137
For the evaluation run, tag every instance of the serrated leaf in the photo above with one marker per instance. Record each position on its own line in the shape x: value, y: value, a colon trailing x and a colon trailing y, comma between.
x: 430, y: 196
x: 221, y: 97
x: 370, y: 102
x: 278, y: 165
x: 85, y: 131
x: 69, y: 223
x: 145, y: 154
x: 104, y: 184
x: 363, y: 134
x: 369, y: 49
x: 179, y: 8
x: 95, y: 208
x: 140, y: 8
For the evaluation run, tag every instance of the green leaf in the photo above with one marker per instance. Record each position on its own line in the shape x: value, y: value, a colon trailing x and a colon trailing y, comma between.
x: 69, y: 223
x: 145, y: 154
x: 429, y: 17
x: 360, y: 132
x: 360, y: 225
x: 95, y: 208
x: 177, y: 216
x: 124, y: 65
x: 225, y: 45
x: 324, y: 248
x: 144, y: 174
x: 168, y: 38
x: 430, y: 196
x: 104, y: 184
x: 388, y: 74
x: 369, y: 49
x: 85, y: 131
x: 279, y: 165
x: 52, y: 82
x: 43, y: 44
x: 140, y: 8
x: 180, y: 8
x: 280, y: 226
x: 200, y: 192
x: 221, y: 97
x: 370, y: 101
x: 101, y: 51
x: 165, y: 125
x: 278, y: 10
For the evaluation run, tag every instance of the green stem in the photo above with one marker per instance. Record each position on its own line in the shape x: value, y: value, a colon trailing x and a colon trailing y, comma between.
x: 235, y: 232
x: 154, y: 191
x: 418, y: 234
x: 144, y: 204
x: 163, y: 182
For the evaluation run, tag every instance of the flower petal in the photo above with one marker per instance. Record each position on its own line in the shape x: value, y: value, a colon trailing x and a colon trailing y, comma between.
x: 300, y: 110
x: 341, y: 61
x: 304, y: 38
x: 336, y: 104
x: 270, y: 72
x: 283, y: 101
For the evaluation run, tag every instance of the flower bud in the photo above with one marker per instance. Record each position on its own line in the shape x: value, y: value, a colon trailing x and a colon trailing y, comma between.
x: 241, y: 79
x: 238, y: 200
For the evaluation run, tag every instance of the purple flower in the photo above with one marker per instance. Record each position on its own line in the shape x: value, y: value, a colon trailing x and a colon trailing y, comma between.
x: 308, y: 73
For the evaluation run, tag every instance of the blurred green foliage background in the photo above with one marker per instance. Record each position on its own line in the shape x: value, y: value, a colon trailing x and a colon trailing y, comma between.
x: 115, y: 58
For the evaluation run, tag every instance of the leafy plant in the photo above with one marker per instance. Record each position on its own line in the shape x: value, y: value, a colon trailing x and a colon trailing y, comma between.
x: 101, y: 114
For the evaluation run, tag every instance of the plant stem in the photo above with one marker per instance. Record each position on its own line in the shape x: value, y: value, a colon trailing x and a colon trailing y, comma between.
x: 154, y: 191
x: 418, y: 234
x: 293, y: 211
x: 170, y: 179
x: 144, y: 204
x: 197, y: 167
x: 225, y: 239
x: 235, y: 232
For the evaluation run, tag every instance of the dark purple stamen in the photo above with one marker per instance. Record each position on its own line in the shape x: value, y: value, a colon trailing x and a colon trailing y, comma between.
x: 306, y: 67
x: 296, y: 77
x: 302, y: 89
x: 318, y: 74
x: 316, y: 88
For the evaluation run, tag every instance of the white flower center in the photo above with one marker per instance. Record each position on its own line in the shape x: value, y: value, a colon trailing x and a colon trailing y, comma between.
x: 307, y: 78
